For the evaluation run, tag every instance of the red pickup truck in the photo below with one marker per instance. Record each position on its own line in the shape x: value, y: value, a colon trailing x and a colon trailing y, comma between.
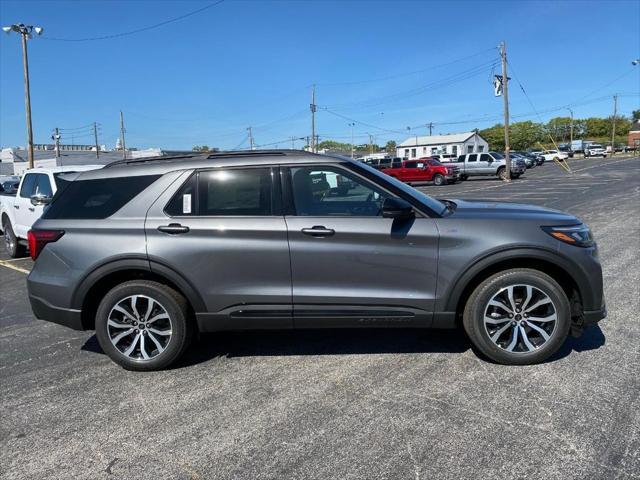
x: 424, y: 170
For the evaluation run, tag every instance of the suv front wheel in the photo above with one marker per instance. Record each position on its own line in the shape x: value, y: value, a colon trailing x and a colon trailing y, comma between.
x: 518, y: 317
x: 143, y: 325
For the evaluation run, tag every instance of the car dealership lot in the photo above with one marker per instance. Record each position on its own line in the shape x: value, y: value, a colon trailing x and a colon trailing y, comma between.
x: 343, y: 404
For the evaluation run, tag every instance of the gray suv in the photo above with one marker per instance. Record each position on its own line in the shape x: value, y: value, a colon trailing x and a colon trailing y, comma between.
x: 149, y: 252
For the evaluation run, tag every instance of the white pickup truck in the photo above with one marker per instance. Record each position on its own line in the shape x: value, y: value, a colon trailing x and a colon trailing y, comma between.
x: 20, y: 211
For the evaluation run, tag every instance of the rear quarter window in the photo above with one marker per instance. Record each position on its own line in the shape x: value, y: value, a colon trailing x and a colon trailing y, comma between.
x: 96, y: 199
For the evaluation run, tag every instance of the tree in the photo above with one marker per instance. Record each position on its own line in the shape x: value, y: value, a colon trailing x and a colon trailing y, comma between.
x: 524, y: 135
x: 635, y: 115
x: 203, y: 148
x: 390, y: 147
x: 495, y: 136
x: 333, y: 145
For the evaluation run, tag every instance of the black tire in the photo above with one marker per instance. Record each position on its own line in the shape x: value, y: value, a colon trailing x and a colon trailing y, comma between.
x: 515, y: 176
x: 502, y: 173
x: 464, y: 177
x: 175, y: 305
x: 438, y: 179
x: 475, y: 309
x: 11, y: 245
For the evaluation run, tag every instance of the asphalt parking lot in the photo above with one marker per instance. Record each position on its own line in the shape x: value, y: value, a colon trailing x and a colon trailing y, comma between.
x: 343, y: 404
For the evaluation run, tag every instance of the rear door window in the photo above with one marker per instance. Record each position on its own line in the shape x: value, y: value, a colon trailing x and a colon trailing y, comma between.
x: 95, y: 199
x: 472, y: 158
x: 235, y: 192
x: 410, y: 165
x: 43, y: 186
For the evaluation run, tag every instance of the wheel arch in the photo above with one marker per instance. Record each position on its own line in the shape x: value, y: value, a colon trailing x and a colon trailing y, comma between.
x: 568, y: 276
x: 103, y: 278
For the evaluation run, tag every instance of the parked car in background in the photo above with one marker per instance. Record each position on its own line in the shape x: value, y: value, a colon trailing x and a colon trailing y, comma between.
x: 18, y: 212
x: 150, y: 252
x: 530, y: 162
x: 566, y: 148
x: 490, y: 163
x: 446, y: 157
x: 595, y: 150
x: 9, y: 184
x: 381, y: 163
x: 538, y: 160
x: 549, y: 155
x: 424, y: 170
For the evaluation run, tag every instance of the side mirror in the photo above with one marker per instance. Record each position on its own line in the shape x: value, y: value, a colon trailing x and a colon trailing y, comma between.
x: 397, y: 208
x: 37, y: 200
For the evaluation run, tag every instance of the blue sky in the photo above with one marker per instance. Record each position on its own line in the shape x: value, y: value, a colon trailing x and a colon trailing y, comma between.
x: 386, y: 65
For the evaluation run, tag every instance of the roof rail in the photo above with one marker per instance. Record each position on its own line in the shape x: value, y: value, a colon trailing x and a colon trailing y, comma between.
x: 162, y: 158
x: 209, y: 155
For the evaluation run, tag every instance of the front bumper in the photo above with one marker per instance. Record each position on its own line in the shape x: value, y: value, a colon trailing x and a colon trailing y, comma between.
x: 67, y: 317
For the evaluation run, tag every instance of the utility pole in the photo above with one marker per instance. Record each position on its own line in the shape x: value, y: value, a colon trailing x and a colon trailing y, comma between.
x: 122, y: 130
x: 507, y: 158
x: 56, y: 139
x: 313, y: 108
x: 293, y: 143
x: 25, y: 32
x: 571, y: 127
x: 430, y: 127
x: 613, y: 129
x: 250, y: 138
x: 352, y: 124
x: 371, y: 144
x: 95, y: 136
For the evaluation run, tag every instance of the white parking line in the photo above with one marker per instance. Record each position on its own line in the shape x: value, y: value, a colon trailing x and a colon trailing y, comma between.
x: 5, y: 263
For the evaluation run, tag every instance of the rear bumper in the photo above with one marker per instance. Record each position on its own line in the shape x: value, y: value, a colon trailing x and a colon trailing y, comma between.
x: 67, y: 317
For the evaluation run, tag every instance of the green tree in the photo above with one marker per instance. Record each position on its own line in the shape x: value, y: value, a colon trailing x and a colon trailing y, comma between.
x: 635, y: 115
x: 333, y: 145
x: 524, y: 135
x: 495, y: 136
x: 390, y: 147
x: 203, y: 148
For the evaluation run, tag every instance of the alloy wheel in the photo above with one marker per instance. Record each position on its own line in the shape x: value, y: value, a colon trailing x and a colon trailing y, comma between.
x: 520, y: 318
x: 8, y: 241
x: 139, y: 327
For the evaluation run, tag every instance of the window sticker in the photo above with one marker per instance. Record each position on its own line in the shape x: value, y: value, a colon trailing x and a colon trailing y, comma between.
x: 186, y: 203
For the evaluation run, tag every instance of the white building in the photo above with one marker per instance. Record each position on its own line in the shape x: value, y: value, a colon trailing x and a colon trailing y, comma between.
x: 455, y: 144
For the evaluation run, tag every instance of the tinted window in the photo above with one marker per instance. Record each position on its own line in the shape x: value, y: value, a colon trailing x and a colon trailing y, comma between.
x: 235, y: 192
x: 485, y: 157
x: 93, y: 199
x: 396, y: 164
x: 473, y: 157
x: 328, y: 191
x: 43, y: 186
x: 28, y: 185
x: 410, y: 165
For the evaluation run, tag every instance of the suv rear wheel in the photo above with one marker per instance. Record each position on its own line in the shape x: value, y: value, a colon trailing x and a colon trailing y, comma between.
x: 518, y: 317
x: 143, y: 325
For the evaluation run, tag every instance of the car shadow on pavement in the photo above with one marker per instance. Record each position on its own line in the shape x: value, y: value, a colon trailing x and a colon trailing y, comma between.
x: 343, y: 342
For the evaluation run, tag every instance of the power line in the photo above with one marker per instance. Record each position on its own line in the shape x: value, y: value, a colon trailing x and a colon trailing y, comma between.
x: 138, y: 30
x: 400, y: 75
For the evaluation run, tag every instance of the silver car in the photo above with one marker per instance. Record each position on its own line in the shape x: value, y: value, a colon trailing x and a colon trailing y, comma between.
x: 148, y: 252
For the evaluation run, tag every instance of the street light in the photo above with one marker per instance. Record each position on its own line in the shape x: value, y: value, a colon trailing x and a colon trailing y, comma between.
x: 25, y: 32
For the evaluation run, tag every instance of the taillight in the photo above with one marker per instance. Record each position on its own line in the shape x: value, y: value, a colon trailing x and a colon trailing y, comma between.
x: 39, y: 238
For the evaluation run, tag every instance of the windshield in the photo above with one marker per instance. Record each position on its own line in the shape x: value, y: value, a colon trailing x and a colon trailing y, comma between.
x: 434, y: 163
x: 435, y: 205
x: 497, y: 156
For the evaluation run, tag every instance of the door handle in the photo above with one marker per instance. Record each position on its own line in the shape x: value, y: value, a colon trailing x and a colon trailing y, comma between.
x: 17, y: 207
x: 173, y: 229
x: 318, y: 231
x: 31, y: 209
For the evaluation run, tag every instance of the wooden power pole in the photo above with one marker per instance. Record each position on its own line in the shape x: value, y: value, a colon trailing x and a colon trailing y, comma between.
x: 122, y: 130
x: 95, y: 137
x: 313, y: 119
x: 613, y: 128
x: 505, y: 94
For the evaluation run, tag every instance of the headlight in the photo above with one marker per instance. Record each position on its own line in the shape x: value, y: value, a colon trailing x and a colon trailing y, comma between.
x: 578, y: 235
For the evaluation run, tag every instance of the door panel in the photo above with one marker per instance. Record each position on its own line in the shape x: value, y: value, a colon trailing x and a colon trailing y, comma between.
x: 368, y: 271
x: 238, y: 264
